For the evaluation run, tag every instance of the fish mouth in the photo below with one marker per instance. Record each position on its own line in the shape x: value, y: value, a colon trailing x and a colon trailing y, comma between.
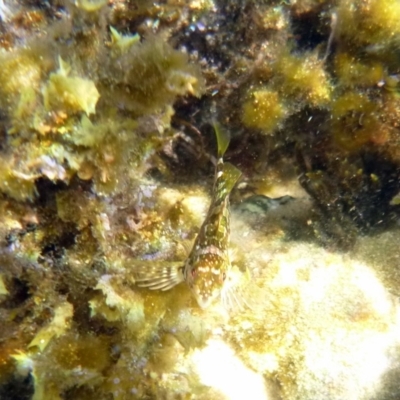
x: 204, y: 301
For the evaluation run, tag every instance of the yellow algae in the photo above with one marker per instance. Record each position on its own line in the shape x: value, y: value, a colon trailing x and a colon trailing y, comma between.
x: 189, y: 205
x: 74, y: 360
x: 87, y: 134
x: 20, y: 71
x: 369, y: 21
x: 26, y: 103
x: 123, y: 42
x: 3, y: 288
x: 353, y: 72
x: 57, y: 327
x: 150, y: 75
x: 274, y: 18
x: 119, y: 303
x: 355, y: 121
x: 304, y: 77
x: 17, y: 185
x: 24, y: 363
x: 263, y: 110
x: 351, y: 102
x: 91, y: 5
x: 69, y: 94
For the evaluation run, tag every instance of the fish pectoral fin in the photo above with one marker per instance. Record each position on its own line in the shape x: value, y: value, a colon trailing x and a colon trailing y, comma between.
x: 187, y: 245
x: 233, y: 300
x: 158, y: 276
x: 235, y: 292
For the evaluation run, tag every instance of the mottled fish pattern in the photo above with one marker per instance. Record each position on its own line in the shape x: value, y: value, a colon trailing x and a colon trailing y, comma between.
x: 208, y: 264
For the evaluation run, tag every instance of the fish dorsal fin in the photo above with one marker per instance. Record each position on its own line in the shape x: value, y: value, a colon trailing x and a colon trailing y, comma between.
x: 222, y: 138
x: 230, y: 176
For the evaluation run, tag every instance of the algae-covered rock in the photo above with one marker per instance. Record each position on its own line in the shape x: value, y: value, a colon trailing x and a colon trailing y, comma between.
x: 68, y: 93
x: 73, y: 360
x: 21, y: 71
x: 319, y: 322
x: 150, y: 75
x: 118, y: 305
x: 60, y: 323
x: 371, y: 22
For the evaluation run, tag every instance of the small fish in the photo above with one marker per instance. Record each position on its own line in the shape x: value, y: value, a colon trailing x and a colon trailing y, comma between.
x: 206, y: 268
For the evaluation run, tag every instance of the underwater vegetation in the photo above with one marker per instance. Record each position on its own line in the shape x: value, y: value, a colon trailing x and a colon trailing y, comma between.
x: 109, y: 166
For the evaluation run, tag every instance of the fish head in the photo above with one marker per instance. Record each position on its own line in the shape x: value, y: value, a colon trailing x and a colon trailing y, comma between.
x: 206, y: 278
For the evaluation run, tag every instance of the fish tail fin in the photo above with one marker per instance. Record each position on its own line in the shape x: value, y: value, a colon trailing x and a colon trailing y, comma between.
x: 222, y: 138
x: 158, y: 276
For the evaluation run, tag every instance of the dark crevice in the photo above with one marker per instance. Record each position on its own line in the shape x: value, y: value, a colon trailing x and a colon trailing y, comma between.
x: 19, y: 293
x: 17, y: 389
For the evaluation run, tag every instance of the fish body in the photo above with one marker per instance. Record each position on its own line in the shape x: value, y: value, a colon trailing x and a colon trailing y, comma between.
x: 206, y: 268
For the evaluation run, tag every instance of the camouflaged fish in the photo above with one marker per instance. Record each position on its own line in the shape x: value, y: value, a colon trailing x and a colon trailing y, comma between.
x: 206, y: 268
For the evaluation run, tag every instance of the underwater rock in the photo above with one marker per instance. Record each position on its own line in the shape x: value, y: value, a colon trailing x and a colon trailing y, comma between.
x: 57, y: 327
x: 286, y: 214
x: 320, y: 321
